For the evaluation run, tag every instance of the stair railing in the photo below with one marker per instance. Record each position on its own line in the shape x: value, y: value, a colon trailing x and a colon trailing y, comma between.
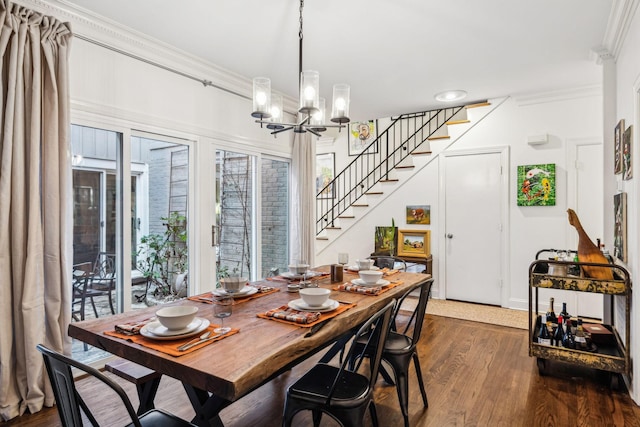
x: 405, y: 135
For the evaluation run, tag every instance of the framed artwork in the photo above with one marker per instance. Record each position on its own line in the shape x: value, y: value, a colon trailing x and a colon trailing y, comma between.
x: 627, y: 172
x: 325, y: 172
x: 418, y: 214
x: 620, y: 227
x: 537, y: 185
x: 617, y: 143
x: 360, y: 135
x: 385, y: 240
x: 414, y: 243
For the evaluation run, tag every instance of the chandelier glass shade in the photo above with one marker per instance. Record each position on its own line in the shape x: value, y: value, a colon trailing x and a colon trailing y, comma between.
x: 268, y: 107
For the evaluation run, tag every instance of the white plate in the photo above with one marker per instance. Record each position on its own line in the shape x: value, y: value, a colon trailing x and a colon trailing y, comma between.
x: 156, y: 328
x: 361, y: 282
x: 290, y: 275
x: 356, y: 268
x: 244, y: 292
x: 299, y: 304
x: 144, y: 331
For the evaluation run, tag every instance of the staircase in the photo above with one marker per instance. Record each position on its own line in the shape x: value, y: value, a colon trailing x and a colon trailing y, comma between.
x: 407, y: 136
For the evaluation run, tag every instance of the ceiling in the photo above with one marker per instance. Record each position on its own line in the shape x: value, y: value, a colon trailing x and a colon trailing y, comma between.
x: 395, y: 54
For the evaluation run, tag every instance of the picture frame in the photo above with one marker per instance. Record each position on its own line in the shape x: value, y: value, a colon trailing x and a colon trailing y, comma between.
x: 325, y: 172
x: 536, y: 185
x: 627, y: 137
x: 620, y: 226
x: 418, y: 214
x: 385, y: 240
x: 414, y: 243
x: 617, y: 143
x: 360, y: 135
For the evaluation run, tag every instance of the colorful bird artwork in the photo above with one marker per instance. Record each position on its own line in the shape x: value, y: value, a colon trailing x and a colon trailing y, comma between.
x: 536, y: 185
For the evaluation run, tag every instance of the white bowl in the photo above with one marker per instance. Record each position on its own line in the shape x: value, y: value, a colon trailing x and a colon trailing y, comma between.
x: 233, y: 284
x: 298, y: 268
x: 315, y: 297
x: 365, y: 264
x: 370, y: 276
x: 176, y: 317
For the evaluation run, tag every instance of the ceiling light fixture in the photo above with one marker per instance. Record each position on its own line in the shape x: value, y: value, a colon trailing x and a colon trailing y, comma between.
x: 451, y: 95
x: 267, y: 107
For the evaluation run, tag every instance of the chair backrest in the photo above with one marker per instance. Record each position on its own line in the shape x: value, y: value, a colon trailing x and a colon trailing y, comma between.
x: 376, y: 330
x: 68, y: 399
x: 105, y: 266
x: 389, y: 262
x: 417, y: 316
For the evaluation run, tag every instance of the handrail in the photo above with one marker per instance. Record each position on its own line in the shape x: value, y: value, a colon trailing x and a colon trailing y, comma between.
x: 399, y: 140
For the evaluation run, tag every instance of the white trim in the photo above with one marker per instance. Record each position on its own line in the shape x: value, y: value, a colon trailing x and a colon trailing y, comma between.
x: 524, y: 99
x: 622, y: 12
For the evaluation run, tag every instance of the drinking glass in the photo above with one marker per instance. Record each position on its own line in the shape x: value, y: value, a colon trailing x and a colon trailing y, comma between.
x: 343, y: 258
x: 222, y: 307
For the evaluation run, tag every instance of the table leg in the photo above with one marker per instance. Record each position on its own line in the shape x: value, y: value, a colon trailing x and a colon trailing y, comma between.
x: 206, y: 405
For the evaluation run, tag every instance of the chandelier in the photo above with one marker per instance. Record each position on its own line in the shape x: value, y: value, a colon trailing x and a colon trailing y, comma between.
x: 267, y: 107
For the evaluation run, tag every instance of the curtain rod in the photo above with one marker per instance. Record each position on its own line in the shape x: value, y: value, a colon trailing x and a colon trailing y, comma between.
x: 204, y: 82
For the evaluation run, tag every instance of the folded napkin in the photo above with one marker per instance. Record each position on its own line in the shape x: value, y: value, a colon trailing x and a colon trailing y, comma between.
x: 369, y: 290
x: 132, y: 328
x: 287, y: 313
x: 388, y: 272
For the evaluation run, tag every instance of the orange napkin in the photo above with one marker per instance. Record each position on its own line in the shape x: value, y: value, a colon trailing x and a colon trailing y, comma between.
x: 322, y: 316
x: 388, y: 272
x: 171, y: 346
x: 366, y: 290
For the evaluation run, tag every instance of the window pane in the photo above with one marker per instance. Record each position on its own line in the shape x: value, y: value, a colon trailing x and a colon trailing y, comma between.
x: 159, y: 216
x: 275, y: 217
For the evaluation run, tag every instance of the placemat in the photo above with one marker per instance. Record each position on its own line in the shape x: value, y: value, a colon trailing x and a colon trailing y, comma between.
x: 366, y: 290
x: 171, y: 347
x: 323, y: 316
x: 207, y: 297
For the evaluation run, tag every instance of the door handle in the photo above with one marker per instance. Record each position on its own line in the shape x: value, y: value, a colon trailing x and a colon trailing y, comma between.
x: 449, y: 236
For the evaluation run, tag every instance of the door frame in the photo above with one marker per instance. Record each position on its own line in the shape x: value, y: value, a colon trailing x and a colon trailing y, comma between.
x: 505, y: 172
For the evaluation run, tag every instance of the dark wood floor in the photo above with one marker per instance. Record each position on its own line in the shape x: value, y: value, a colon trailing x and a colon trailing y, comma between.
x: 476, y: 375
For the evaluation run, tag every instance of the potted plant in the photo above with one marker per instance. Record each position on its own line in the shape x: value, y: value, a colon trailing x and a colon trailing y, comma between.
x: 162, y: 260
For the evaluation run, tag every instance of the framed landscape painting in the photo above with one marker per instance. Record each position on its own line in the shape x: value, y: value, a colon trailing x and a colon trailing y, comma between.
x: 537, y: 185
x: 414, y: 243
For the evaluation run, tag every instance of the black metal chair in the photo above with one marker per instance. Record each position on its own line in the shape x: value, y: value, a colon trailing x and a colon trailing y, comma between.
x: 343, y: 393
x: 388, y: 261
x: 82, y: 290
x: 103, y: 279
x: 400, y: 348
x: 70, y: 402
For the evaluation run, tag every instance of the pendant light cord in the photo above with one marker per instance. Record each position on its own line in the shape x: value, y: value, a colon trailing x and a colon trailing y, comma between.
x: 300, y: 47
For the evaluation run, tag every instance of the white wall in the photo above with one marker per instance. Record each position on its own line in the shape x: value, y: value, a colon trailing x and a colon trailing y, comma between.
x: 627, y: 107
x: 570, y: 115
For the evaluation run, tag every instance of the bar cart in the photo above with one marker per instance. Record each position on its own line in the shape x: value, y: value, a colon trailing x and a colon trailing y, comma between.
x: 611, y: 356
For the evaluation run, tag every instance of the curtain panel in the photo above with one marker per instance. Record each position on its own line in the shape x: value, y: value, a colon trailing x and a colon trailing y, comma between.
x: 303, y: 197
x: 35, y: 202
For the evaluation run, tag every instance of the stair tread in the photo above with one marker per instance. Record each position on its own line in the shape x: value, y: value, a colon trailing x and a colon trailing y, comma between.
x: 421, y: 152
x: 479, y: 104
x: 389, y: 180
x: 405, y: 167
x: 346, y: 216
x: 333, y: 228
x: 373, y: 193
x: 360, y: 205
x: 457, y: 122
x: 322, y: 238
x: 433, y: 138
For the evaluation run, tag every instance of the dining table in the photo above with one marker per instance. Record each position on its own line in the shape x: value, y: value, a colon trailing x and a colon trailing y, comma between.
x: 262, y: 348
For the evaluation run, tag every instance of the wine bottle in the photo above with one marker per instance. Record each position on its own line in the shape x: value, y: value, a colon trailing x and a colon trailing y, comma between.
x: 552, y: 320
x: 580, y: 338
x: 558, y: 334
x: 564, y: 313
x: 543, y: 333
x: 568, y: 340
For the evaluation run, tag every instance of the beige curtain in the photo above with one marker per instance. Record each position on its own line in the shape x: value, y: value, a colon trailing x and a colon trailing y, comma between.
x: 35, y: 188
x: 303, y: 196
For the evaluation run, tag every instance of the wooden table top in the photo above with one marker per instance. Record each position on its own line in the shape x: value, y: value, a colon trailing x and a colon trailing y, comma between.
x: 236, y: 365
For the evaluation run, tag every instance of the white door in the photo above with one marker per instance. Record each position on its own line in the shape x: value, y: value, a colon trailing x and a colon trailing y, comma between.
x: 584, y: 185
x: 473, y: 192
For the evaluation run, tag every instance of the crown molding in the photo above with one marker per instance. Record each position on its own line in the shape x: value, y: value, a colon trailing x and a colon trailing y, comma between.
x: 622, y: 12
x: 93, y: 28
x: 567, y: 94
